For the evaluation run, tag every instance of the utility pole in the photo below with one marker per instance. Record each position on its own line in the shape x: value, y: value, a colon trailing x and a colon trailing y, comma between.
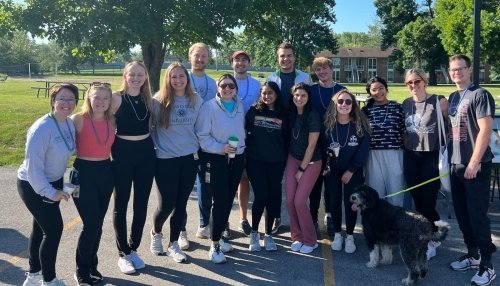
x: 477, y: 41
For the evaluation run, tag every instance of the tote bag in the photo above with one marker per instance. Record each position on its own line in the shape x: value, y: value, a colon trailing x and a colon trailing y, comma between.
x: 443, y: 164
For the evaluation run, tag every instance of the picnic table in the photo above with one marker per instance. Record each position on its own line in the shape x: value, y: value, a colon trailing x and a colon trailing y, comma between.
x: 361, y: 97
x: 83, y: 86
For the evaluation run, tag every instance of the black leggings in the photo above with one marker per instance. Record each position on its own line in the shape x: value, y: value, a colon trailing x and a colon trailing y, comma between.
x: 265, y: 178
x: 225, y: 175
x: 420, y: 167
x: 96, y: 187
x: 133, y: 161
x: 175, y: 180
x: 46, y: 231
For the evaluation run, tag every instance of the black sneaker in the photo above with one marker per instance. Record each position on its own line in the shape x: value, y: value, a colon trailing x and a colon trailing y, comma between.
x: 245, y: 227
x: 276, y: 225
x: 227, y: 232
x: 83, y: 281
x: 96, y: 276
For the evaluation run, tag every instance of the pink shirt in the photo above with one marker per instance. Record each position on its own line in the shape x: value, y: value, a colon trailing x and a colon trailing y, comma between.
x: 95, y: 138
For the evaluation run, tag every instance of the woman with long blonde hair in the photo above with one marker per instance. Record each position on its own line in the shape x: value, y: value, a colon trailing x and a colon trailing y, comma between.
x: 347, y: 145
x: 95, y: 133
x: 133, y: 161
x: 175, y: 111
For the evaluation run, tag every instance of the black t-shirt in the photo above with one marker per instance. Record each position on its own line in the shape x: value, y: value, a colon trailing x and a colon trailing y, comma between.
x: 464, y: 111
x: 299, y: 137
x: 287, y: 81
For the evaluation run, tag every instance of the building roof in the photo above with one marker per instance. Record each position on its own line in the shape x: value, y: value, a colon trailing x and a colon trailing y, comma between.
x: 357, y: 53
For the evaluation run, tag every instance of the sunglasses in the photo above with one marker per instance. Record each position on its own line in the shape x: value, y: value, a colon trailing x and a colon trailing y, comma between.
x: 225, y: 85
x: 100, y: 84
x: 341, y: 101
x: 415, y: 82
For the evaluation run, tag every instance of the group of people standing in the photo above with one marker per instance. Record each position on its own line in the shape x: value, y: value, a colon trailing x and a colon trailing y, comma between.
x: 219, y: 136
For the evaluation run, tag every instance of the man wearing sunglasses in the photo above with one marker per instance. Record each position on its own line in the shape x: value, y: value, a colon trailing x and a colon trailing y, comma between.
x: 471, y: 111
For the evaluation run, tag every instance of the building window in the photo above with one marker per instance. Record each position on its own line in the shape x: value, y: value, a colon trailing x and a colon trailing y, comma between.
x: 336, y: 63
x: 390, y: 75
x: 336, y: 75
x: 372, y: 64
x: 372, y: 73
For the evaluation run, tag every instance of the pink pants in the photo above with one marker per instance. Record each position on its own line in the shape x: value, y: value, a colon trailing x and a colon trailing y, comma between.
x: 297, y: 193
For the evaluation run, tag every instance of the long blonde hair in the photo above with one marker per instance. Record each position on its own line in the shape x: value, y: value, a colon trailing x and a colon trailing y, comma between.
x: 146, y: 94
x: 87, y: 106
x: 167, y: 95
x: 355, y: 116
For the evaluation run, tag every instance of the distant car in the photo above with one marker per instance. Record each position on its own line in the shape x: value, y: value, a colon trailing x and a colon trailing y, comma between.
x: 261, y: 75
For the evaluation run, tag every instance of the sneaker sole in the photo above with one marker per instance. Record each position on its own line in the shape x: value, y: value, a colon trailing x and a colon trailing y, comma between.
x: 464, y: 269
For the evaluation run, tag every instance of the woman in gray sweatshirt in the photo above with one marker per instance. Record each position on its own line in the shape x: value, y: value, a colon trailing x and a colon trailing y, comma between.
x: 221, y: 122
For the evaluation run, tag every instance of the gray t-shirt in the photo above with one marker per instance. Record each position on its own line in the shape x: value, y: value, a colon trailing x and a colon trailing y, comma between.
x: 421, y: 124
x: 464, y: 110
x: 179, y: 139
x: 204, y: 86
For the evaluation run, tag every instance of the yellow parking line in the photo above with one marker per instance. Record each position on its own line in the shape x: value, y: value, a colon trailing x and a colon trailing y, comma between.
x: 15, y: 259
x: 328, y: 272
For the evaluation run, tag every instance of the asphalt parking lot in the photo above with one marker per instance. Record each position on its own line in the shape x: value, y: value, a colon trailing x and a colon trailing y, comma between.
x: 322, y: 267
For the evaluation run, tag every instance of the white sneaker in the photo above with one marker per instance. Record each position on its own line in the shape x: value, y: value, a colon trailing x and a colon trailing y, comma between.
x: 350, y: 247
x: 254, y: 241
x: 156, y: 245
x: 465, y: 262
x: 484, y: 276
x: 137, y: 260
x: 54, y: 282
x: 216, y: 255
x: 431, y: 248
x: 296, y: 245
x: 33, y: 279
x: 337, y: 242
x: 225, y: 246
x: 183, y: 240
x: 269, y: 243
x: 203, y: 232
x: 125, y: 265
x: 176, y: 253
x: 308, y: 249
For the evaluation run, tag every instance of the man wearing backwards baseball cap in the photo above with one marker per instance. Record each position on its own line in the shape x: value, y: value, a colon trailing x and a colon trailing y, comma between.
x: 248, y: 93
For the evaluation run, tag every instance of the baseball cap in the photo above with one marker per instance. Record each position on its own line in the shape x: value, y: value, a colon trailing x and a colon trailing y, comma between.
x: 239, y: 53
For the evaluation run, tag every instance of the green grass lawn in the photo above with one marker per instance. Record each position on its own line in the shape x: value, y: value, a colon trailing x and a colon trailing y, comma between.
x: 19, y: 106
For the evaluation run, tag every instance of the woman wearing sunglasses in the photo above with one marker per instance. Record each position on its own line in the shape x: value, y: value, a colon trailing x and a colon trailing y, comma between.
x: 421, y: 154
x: 384, y: 168
x: 348, y: 142
x: 221, y: 133
x: 95, y: 133
x: 302, y: 168
x: 49, y: 144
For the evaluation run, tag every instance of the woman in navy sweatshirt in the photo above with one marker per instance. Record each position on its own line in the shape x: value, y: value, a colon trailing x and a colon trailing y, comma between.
x: 348, y: 143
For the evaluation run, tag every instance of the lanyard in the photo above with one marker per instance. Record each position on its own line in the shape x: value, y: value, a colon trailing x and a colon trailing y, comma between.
x: 206, y: 85
x: 62, y: 135
x: 246, y: 92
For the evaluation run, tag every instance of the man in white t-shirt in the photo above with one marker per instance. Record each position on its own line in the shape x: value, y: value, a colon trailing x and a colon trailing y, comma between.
x: 248, y: 93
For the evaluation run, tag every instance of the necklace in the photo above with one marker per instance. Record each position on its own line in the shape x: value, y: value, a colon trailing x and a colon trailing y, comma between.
x: 127, y: 98
x: 52, y: 115
x: 246, y: 92
x: 97, y: 135
x: 414, y: 112
x: 373, y: 117
x: 294, y: 127
x: 195, y: 88
x: 325, y: 107
x: 337, y: 132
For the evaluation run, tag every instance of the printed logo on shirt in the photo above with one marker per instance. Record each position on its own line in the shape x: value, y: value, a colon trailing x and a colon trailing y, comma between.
x: 412, y: 123
x: 266, y: 122
x: 459, y: 122
x: 180, y: 115
x: 353, y: 141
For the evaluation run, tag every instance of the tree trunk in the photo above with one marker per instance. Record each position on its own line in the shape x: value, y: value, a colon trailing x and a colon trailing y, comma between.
x: 154, y: 55
x: 432, y: 75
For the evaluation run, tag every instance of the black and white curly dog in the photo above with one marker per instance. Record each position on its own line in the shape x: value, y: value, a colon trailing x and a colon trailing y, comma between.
x: 385, y: 225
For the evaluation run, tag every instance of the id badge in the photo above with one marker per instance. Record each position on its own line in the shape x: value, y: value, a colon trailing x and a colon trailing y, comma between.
x: 76, y: 193
x: 207, y: 177
x: 195, y: 156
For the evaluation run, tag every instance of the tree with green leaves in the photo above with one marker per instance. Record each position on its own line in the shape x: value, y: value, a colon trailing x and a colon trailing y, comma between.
x: 306, y: 24
x: 7, y: 19
x: 454, y: 19
x: 428, y: 54
x: 394, y: 16
x: 261, y: 51
x: 157, y: 26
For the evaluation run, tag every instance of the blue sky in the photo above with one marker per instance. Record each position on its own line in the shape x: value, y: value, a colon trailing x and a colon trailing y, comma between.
x: 354, y: 15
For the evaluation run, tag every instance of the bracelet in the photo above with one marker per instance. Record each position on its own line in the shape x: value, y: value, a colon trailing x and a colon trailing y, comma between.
x: 301, y: 169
